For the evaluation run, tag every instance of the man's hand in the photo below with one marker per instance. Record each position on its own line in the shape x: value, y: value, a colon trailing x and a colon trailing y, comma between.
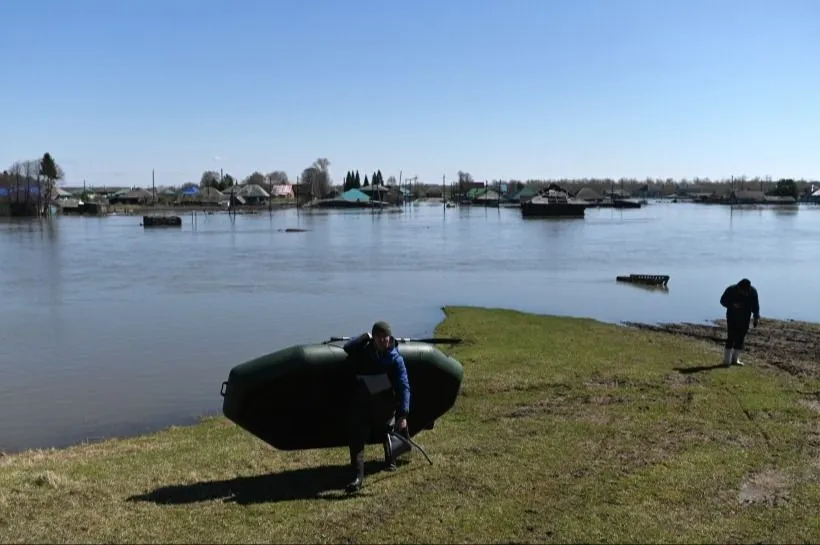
x: 401, y: 423
x: 755, y: 321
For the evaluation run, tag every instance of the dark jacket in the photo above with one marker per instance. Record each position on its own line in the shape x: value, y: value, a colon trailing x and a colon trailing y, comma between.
x: 389, y: 363
x: 749, y: 304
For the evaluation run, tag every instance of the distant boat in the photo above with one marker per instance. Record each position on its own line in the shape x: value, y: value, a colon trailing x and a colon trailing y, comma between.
x: 552, y: 204
x: 626, y: 203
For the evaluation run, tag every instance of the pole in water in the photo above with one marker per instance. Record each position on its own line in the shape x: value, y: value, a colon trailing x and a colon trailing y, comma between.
x: 443, y: 193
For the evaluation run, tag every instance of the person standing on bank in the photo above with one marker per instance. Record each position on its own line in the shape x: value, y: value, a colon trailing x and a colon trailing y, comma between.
x: 741, y: 304
x: 380, y: 393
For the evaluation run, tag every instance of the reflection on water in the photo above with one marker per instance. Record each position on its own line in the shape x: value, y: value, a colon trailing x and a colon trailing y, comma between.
x: 109, y: 327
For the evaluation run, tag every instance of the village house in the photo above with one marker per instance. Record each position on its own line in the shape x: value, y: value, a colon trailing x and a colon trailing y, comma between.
x: 282, y: 191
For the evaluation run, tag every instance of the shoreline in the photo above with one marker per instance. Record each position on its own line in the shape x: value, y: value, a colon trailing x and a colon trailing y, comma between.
x: 637, y: 428
x: 787, y: 344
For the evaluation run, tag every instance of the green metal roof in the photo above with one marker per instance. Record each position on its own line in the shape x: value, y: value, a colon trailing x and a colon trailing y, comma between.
x: 355, y: 195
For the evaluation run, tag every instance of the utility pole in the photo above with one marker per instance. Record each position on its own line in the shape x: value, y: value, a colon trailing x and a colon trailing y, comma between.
x: 443, y: 194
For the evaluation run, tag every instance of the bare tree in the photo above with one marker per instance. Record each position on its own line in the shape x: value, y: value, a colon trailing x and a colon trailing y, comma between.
x: 464, y: 181
x: 317, y: 178
x: 15, y: 177
x: 323, y: 164
x: 210, y: 178
x: 277, y: 177
x: 256, y: 178
x: 31, y: 169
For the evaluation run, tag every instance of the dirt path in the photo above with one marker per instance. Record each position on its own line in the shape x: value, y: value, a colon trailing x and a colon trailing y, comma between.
x: 790, y: 345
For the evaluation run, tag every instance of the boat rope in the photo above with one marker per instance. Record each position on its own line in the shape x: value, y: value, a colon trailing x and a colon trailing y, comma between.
x: 410, y: 442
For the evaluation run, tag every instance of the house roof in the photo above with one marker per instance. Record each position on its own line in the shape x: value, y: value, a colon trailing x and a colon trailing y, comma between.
x: 136, y: 194
x: 355, y: 195
x: 488, y: 195
x: 210, y: 192
x: 588, y: 194
x: 252, y: 190
x: 281, y: 190
x: 527, y: 191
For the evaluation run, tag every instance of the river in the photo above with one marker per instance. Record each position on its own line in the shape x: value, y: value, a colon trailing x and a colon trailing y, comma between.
x: 110, y: 329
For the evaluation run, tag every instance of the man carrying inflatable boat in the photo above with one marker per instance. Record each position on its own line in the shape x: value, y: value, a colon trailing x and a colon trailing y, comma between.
x: 380, y: 395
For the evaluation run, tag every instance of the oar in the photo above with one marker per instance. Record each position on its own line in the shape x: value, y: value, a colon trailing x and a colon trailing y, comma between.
x: 433, y: 340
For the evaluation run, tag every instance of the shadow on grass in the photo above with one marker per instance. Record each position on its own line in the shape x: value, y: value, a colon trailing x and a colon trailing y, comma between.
x: 699, y: 369
x: 322, y: 482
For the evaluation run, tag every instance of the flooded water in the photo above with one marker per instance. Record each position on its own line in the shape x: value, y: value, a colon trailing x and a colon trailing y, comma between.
x: 110, y: 329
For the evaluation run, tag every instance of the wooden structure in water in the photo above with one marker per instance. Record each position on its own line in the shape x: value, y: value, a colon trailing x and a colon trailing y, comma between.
x: 161, y: 221
x: 646, y: 279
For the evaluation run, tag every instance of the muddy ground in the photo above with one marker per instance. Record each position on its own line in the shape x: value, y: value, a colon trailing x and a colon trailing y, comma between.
x: 790, y: 345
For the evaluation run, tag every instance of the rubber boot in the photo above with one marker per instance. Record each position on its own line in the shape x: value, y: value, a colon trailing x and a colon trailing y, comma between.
x: 358, y: 475
x: 736, y: 357
x: 389, y: 462
x: 727, y: 356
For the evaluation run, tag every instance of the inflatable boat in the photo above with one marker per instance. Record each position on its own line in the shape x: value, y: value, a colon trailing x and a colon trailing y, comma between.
x: 297, y: 398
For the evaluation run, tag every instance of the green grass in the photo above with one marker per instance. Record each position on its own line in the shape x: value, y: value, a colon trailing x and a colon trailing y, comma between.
x: 567, y: 430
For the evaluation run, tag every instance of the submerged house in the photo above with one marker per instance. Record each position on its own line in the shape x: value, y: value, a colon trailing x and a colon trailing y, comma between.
x: 253, y: 194
x: 589, y: 195
x: 282, y: 191
x: 352, y: 198
x: 133, y: 197
x: 741, y: 196
x: 758, y: 197
x: 355, y: 195
x: 206, y: 196
x: 388, y: 194
x: 526, y: 193
x: 484, y: 197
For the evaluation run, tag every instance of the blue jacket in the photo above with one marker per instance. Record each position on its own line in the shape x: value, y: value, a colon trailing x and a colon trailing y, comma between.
x: 389, y: 362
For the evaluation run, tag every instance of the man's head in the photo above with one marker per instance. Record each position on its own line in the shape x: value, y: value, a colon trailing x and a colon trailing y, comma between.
x: 744, y: 285
x: 381, y: 335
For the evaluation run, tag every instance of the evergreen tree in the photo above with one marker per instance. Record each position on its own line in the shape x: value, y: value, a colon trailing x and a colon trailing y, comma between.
x: 358, y: 180
x: 365, y: 181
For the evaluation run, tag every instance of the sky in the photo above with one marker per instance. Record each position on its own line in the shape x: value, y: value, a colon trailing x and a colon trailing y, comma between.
x: 517, y: 89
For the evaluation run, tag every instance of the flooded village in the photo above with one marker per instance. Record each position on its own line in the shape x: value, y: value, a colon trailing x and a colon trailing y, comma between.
x: 26, y: 191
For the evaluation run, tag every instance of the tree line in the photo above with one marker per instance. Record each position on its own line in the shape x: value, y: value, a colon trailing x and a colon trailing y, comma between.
x: 222, y: 181
x: 318, y: 184
x: 30, y: 185
x: 353, y: 180
x: 316, y: 177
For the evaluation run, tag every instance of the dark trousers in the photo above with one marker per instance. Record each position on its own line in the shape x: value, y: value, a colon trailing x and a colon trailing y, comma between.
x: 366, y: 413
x: 736, y: 330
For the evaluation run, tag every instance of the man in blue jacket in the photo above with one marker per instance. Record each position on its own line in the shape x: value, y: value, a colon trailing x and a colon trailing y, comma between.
x: 741, y: 303
x: 380, y: 393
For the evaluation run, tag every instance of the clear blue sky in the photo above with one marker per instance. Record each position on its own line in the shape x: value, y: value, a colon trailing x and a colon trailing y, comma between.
x: 502, y: 89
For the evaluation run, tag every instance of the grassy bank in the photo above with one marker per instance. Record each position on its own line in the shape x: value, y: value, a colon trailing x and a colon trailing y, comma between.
x: 568, y: 430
